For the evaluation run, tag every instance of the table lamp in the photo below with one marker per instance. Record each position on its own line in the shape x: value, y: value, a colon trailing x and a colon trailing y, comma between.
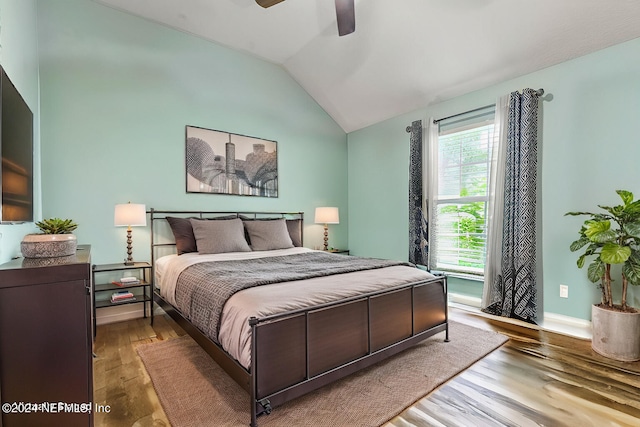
x: 327, y: 215
x: 130, y: 215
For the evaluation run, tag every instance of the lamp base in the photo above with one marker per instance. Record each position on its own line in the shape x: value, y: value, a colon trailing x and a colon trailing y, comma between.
x: 129, y: 259
x: 326, y: 238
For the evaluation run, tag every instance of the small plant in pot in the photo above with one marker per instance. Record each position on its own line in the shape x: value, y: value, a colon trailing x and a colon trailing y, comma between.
x: 612, y: 238
x: 56, y: 239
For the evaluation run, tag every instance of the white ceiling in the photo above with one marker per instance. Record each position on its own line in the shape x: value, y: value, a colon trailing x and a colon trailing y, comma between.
x: 404, y: 54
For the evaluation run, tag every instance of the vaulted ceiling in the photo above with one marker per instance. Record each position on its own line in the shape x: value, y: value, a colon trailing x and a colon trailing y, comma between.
x: 404, y: 54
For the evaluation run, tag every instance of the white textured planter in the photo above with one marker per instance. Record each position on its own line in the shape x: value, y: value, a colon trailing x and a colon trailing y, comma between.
x: 48, y: 245
x: 615, y: 334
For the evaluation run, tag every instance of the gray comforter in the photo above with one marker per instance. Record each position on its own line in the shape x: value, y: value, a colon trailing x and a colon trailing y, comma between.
x: 204, y: 288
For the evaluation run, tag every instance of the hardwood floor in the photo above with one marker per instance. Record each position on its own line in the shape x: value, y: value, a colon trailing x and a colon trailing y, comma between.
x: 119, y: 377
x: 537, y: 379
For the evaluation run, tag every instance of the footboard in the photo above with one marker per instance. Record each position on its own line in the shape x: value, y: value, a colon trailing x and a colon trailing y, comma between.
x: 297, y: 352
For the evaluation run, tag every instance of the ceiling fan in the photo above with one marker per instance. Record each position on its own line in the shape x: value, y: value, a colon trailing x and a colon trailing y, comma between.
x: 345, y: 13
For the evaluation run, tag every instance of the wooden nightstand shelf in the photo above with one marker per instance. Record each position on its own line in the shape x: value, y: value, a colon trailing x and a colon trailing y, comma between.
x: 105, y: 274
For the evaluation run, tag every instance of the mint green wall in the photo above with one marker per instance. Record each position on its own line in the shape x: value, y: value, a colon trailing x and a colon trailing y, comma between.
x: 116, y: 94
x: 19, y: 57
x: 590, y: 125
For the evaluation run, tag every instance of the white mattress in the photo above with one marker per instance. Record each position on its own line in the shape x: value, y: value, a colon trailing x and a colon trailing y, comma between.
x: 235, y: 333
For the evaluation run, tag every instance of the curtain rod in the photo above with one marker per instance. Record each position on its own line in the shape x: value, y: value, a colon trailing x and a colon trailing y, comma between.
x: 466, y: 112
x: 538, y: 92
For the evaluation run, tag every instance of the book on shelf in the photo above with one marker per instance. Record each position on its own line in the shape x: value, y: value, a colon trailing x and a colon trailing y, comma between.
x: 121, y: 300
x: 126, y: 283
x: 122, y: 296
x: 122, y: 293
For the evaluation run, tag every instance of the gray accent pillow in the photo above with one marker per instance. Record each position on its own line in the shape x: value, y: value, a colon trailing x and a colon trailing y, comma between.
x: 295, y: 231
x: 268, y: 235
x: 215, y: 237
x: 183, y: 232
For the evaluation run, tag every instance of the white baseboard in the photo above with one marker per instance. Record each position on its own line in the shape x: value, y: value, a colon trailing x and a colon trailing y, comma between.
x: 567, y: 325
x: 465, y: 300
x: 121, y: 313
x: 552, y: 322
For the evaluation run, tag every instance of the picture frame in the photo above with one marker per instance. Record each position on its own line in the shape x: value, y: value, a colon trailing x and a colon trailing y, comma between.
x: 218, y: 162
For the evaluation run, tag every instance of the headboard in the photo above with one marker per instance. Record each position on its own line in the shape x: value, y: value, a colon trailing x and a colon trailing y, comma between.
x: 163, y: 242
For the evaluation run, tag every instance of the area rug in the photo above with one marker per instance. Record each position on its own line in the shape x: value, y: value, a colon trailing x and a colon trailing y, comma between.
x: 194, y: 391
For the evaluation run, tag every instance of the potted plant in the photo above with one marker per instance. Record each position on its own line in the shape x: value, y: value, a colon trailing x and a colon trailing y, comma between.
x: 609, y: 238
x: 55, y: 240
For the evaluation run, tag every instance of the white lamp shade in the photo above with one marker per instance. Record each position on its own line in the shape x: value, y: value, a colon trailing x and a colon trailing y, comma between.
x: 130, y: 214
x: 327, y: 215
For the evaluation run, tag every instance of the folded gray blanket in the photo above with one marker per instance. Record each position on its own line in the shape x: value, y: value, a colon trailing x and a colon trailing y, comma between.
x: 204, y: 288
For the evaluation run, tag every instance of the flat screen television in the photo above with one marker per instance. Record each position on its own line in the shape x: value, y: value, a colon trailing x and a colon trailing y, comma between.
x: 16, y: 145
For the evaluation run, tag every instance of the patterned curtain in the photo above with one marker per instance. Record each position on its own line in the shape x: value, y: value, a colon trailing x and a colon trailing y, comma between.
x: 513, y: 292
x: 418, y: 227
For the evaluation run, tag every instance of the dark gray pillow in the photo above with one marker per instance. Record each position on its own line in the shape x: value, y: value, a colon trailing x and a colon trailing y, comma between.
x: 295, y: 231
x: 215, y: 237
x: 183, y: 234
x: 268, y: 235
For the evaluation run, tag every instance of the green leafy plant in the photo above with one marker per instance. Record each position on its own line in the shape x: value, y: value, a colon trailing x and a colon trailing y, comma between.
x: 468, y: 228
x: 56, y: 226
x: 609, y: 238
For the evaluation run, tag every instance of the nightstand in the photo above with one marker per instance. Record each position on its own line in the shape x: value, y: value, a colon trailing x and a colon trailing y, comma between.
x: 104, y: 275
x: 339, y: 251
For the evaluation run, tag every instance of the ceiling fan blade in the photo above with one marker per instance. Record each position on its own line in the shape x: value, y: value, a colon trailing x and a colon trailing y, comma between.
x: 346, y: 15
x: 268, y: 3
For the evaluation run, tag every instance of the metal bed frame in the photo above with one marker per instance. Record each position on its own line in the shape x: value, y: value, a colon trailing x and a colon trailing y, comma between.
x: 299, y: 351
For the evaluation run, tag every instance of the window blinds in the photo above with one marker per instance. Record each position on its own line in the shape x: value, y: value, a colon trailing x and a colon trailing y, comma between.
x: 460, y: 206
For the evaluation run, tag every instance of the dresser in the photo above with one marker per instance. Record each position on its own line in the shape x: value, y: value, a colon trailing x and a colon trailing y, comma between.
x: 46, y: 341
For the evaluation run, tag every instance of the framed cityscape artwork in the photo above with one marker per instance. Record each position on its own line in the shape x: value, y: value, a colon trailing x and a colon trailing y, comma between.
x: 227, y: 163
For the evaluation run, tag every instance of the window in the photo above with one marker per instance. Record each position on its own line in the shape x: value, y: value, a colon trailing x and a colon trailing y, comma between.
x: 460, y: 159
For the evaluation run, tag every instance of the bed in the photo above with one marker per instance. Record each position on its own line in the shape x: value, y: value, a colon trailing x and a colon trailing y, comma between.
x: 283, y: 320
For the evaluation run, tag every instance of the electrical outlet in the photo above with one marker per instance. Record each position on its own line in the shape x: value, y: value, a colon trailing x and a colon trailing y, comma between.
x: 564, y: 291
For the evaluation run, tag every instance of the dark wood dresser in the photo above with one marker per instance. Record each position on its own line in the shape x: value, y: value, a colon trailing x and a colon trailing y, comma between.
x: 46, y: 376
